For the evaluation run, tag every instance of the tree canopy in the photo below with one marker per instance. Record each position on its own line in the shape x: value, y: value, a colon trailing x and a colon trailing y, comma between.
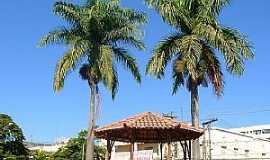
x: 96, y: 35
x: 11, y: 139
x: 193, y: 46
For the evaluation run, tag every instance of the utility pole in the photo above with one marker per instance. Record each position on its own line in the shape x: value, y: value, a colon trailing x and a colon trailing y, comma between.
x: 207, y: 126
x: 182, y: 113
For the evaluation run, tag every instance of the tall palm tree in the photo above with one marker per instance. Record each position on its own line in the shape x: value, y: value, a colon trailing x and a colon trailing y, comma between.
x: 96, y: 35
x: 194, y: 48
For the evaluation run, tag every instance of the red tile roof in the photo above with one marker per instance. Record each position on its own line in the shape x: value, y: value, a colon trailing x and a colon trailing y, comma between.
x: 148, y: 127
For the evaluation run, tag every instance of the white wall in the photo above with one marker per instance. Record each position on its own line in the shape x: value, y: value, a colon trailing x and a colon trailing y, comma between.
x: 230, y: 145
x: 47, y: 148
x: 225, y: 145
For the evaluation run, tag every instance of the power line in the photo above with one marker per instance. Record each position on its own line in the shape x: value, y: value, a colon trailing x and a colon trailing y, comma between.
x: 228, y: 124
x: 239, y: 113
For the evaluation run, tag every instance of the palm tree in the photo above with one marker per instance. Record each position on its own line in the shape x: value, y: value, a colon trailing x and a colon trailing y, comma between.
x: 194, y: 48
x: 96, y: 35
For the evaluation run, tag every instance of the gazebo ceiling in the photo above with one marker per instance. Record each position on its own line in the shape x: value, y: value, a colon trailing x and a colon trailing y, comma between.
x: 148, y: 127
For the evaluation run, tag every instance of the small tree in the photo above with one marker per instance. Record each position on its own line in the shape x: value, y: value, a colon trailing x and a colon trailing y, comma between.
x: 40, y: 155
x: 75, y: 149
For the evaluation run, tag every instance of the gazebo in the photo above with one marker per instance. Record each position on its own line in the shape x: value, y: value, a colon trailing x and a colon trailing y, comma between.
x: 149, y: 127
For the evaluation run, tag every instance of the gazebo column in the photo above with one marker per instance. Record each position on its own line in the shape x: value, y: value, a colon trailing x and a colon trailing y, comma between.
x: 189, y: 150
x: 161, y: 151
x: 109, y: 149
x: 132, y: 151
x: 184, y: 149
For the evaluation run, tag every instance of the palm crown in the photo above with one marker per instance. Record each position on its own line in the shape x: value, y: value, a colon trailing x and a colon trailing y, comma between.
x: 193, y: 46
x: 96, y: 36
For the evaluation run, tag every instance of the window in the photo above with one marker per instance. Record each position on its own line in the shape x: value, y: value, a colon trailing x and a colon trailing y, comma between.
x: 246, y: 151
x: 263, y: 154
x: 122, y: 148
x: 224, y: 147
x: 148, y: 148
x: 236, y: 149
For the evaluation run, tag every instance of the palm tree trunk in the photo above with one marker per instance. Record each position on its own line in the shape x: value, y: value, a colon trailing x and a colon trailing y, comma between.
x: 90, y: 136
x: 195, y: 119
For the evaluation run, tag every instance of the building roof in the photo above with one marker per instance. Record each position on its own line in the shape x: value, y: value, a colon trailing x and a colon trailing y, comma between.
x: 253, y: 127
x: 240, y: 134
x: 148, y: 127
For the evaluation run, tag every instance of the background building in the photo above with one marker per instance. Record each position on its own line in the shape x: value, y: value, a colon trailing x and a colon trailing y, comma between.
x: 260, y: 131
x: 218, y: 144
x: 46, y: 147
x: 226, y: 144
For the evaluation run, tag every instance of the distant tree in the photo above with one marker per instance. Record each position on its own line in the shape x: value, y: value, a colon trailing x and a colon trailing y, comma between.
x: 11, y: 140
x: 75, y: 149
x: 96, y: 37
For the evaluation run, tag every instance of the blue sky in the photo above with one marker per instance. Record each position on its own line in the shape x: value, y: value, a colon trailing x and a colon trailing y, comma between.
x: 27, y: 74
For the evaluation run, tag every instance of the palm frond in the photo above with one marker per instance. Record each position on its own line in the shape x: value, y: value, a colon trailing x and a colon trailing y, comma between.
x: 215, y: 6
x: 213, y: 70
x: 241, y: 42
x: 62, y: 35
x: 121, y: 26
x: 106, y: 65
x: 130, y: 40
x: 191, y: 49
x: 162, y: 54
x: 66, y: 64
x: 115, y: 83
x: 230, y: 42
x: 132, y: 16
x: 129, y: 62
x: 69, y: 11
x: 117, y: 30
x: 173, y: 12
x: 125, y: 34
